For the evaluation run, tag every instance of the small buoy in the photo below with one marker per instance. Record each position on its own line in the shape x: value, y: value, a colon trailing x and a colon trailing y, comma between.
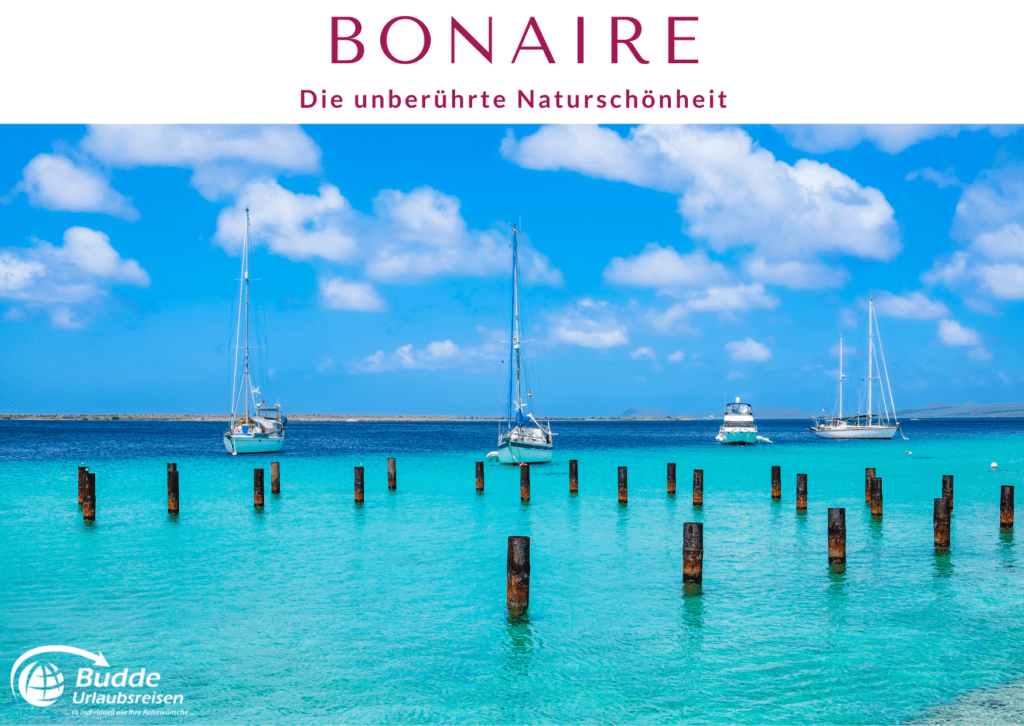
x: 908, y: 452
x: 994, y: 465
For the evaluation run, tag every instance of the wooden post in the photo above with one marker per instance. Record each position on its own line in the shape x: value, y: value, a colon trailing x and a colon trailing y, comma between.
x: 172, y: 491
x: 574, y: 476
x: 518, y: 566
x: 479, y: 476
x: 693, y: 553
x: 1006, y: 508
x: 392, y: 474
x: 672, y: 479
x: 257, y: 488
x: 801, y: 492
x: 359, y: 485
x: 947, y: 490
x: 940, y: 520
x: 524, y: 482
x: 83, y: 483
x: 623, y: 488
x: 776, y: 482
x: 837, y: 535
x: 869, y: 474
x: 89, y: 505
x: 876, y: 497
x: 698, y: 487
x: 275, y: 477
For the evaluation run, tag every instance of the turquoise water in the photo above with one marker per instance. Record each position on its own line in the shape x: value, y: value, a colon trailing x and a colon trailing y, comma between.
x: 317, y: 610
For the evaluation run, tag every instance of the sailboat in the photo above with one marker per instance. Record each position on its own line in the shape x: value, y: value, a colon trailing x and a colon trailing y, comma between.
x: 258, y: 430
x: 871, y: 425
x: 522, y: 439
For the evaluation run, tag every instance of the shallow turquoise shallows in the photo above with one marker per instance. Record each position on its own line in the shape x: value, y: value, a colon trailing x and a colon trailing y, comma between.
x: 316, y: 610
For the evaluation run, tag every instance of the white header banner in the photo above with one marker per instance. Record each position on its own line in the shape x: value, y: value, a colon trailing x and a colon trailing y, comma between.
x: 691, y: 61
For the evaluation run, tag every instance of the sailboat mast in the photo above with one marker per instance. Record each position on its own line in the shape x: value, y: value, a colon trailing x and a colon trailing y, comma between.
x: 871, y: 351
x: 516, y: 335
x: 840, y: 376
x: 245, y: 282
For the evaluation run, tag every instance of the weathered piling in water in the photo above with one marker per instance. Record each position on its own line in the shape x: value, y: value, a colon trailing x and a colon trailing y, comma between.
x: 1006, y: 508
x: 83, y: 483
x: 671, y: 485
x: 172, y: 490
x: 698, y: 487
x: 940, y: 521
x: 517, y: 595
x: 392, y: 474
x: 947, y: 490
x: 801, y: 492
x: 876, y: 497
x: 89, y: 503
x: 776, y: 482
x: 359, y: 485
x: 693, y: 553
x: 479, y: 476
x: 524, y: 482
x: 257, y: 488
x: 275, y: 477
x: 837, y: 535
x: 623, y: 487
x: 574, y: 476
x: 869, y: 474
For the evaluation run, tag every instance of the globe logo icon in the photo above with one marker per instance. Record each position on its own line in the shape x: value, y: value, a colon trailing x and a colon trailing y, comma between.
x: 41, y: 683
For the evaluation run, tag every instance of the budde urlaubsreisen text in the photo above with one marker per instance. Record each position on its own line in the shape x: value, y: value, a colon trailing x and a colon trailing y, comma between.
x: 457, y: 99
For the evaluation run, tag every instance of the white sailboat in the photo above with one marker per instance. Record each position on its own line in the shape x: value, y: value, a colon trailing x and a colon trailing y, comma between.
x: 522, y: 439
x: 871, y: 425
x: 260, y: 430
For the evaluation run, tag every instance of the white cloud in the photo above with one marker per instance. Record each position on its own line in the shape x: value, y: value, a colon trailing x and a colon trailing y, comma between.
x: 590, y: 324
x: 676, y: 357
x: 734, y: 375
x: 663, y: 267
x: 748, y: 350
x: 75, y: 273
x: 437, y: 354
x: 732, y: 299
x: 1002, y: 281
x: 55, y: 182
x: 796, y: 274
x: 325, y: 366
x: 993, y: 260
x: 913, y: 306
x: 979, y: 354
x: 732, y: 194
x: 223, y: 158
x: 337, y: 294
x: 953, y: 333
x: 890, y: 138
x: 941, y: 179
x: 645, y: 353
x: 1006, y: 243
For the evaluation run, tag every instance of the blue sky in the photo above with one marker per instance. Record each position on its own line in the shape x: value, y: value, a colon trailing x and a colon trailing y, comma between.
x: 665, y: 267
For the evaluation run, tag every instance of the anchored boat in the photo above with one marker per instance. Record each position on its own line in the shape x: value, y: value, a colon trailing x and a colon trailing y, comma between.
x: 522, y: 439
x: 259, y: 430
x: 870, y: 425
x: 738, y: 426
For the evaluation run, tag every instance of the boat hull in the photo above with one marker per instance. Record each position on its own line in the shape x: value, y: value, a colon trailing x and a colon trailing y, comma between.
x: 252, y: 443
x: 737, y: 438
x: 523, y: 453
x: 857, y: 432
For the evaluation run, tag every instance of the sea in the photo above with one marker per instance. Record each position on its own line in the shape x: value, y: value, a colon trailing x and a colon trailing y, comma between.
x: 318, y: 610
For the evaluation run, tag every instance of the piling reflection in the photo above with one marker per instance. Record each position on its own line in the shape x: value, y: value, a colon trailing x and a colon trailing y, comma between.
x: 1006, y: 549
x: 942, y: 563
x: 836, y: 593
x: 521, y: 645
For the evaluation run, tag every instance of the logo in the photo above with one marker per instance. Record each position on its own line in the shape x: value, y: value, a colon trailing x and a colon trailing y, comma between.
x: 41, y: 684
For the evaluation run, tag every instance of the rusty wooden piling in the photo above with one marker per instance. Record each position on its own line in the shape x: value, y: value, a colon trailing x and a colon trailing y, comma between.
x: 89, y: 504
x: 257, y: 488
x: 1006, y: 508
x: 518, y: 567
x: 83, y: 483
x: 392, y: 474
x: 876, y: 497
x: 869, y: 474
x: 693, y: 553
x: 837, y: 535
x: 623, y: 487
x: 801, y: 492
x: 947, y: 490
x: 275, y: 477
x: 698, y: 487
x: 172, y: 490
x: 524, y: 482
x: 359, y: 485
x: 574, y: 476
x: 671, y: 480
x: 940, y: 521
x: 479, y: 476
x: 776, y: 483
